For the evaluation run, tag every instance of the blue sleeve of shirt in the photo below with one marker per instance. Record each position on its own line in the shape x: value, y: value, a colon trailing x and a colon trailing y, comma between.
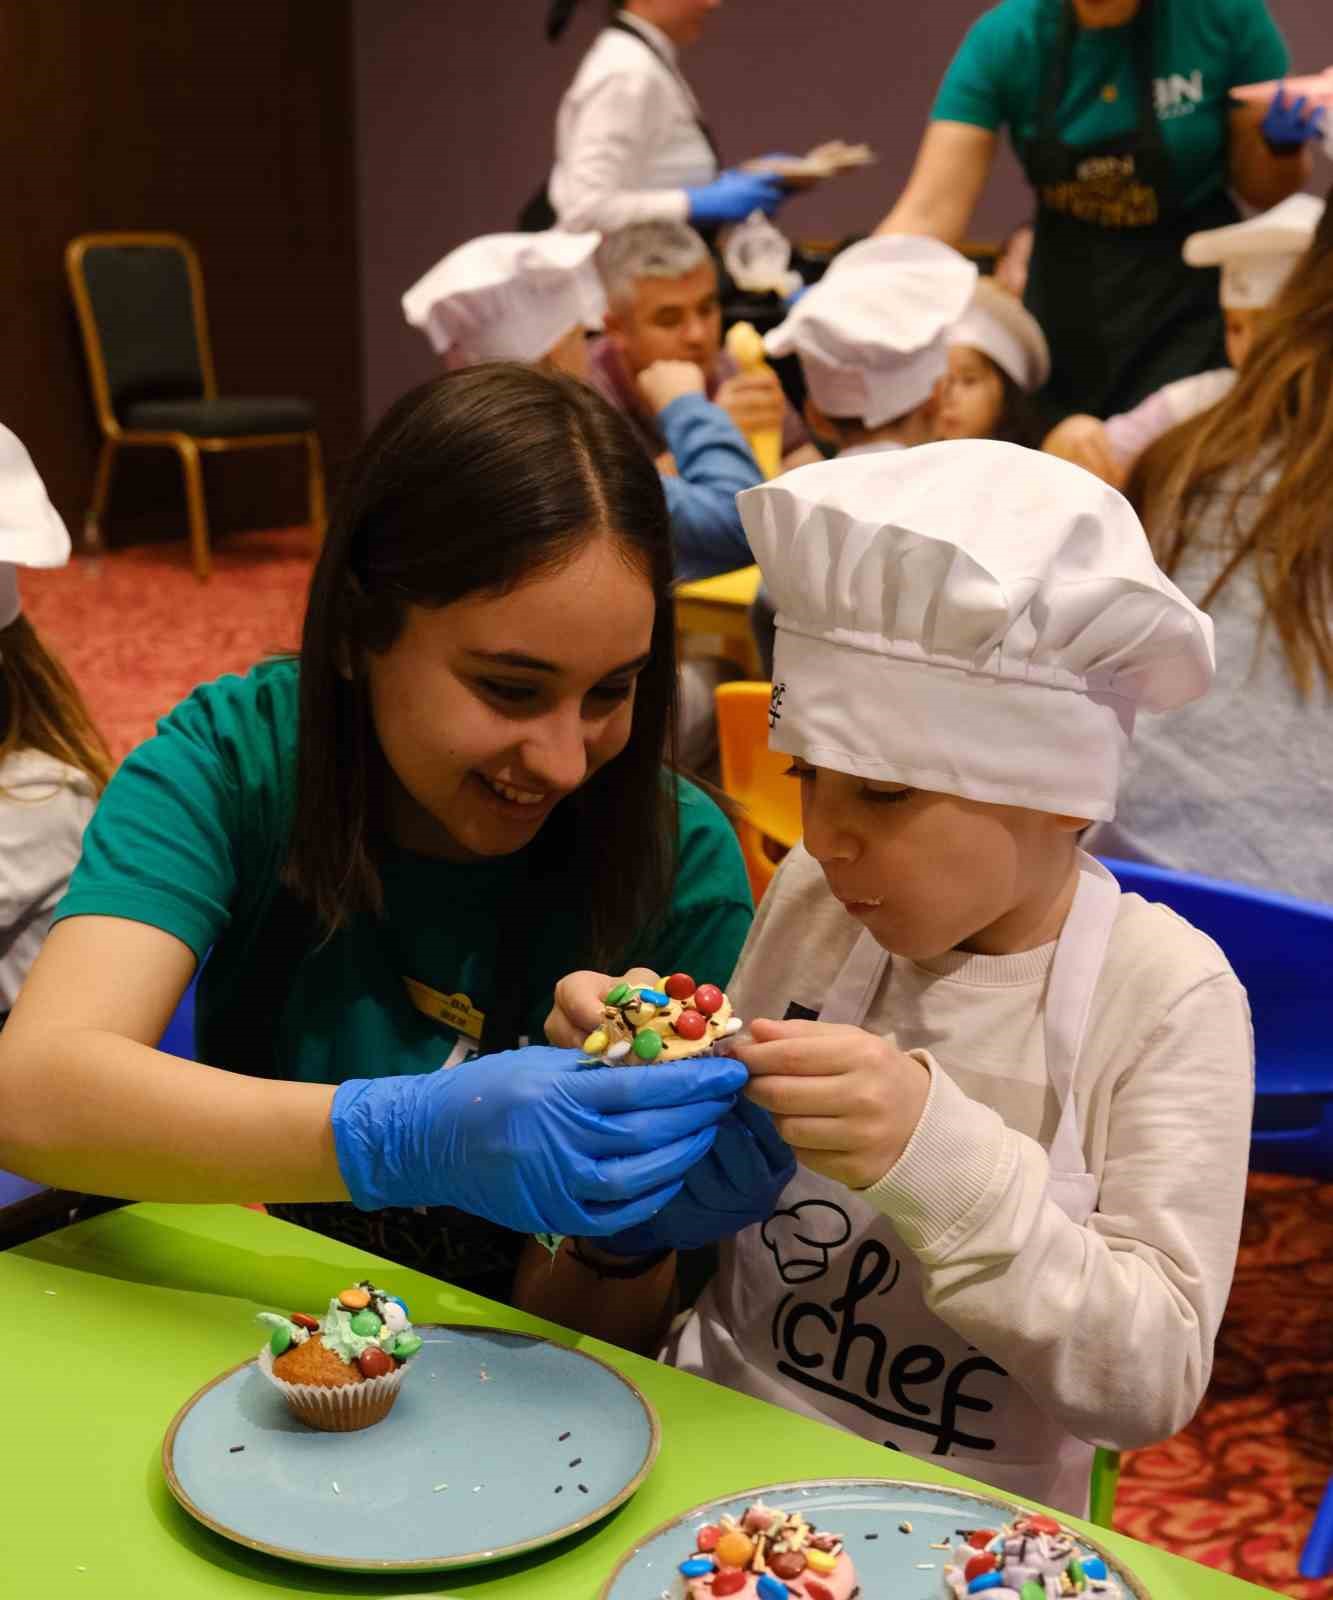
x: 714, y: 464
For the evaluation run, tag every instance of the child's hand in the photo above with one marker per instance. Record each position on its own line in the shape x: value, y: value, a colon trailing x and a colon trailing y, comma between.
x: 578, y: 1003
x: 845, y: 1100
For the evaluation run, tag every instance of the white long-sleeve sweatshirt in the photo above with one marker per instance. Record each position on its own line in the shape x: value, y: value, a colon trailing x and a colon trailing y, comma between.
x: 1108, y: 1326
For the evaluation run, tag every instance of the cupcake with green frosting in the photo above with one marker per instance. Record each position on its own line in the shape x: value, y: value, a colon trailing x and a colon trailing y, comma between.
x: 341, y: 1372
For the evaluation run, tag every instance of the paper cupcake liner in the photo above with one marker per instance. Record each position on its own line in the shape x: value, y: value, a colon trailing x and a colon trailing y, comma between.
x: 341, y: 1410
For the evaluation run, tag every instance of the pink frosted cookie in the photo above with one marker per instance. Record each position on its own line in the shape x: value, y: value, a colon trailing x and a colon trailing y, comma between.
x: 767, y: 1555
x: 1032, y: 1558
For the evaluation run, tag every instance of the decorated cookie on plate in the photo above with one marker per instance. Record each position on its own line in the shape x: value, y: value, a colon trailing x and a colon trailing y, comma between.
x: 767, y: 1554
x: 1031, y: 1558
x: 641, y: 1024
x: 341, y: 1372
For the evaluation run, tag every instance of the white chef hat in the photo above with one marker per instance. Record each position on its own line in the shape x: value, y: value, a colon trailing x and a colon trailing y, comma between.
x: 1259, y: 255
x: 31, y: 531
x: 1000, y: 326
x: 508, y: 296
x: 969, y: 617
x: 871, y: 334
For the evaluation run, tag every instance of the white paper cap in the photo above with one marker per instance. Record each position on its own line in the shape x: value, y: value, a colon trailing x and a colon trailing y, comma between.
x: 508, y: 296
x: 31, y: 531
x: 871, y: 334
x: 1000, y: 326
x: 970, y: 618
x: 1259, y: 255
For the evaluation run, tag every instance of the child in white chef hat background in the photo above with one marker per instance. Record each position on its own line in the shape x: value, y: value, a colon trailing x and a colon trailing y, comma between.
x: 1257, y: 257
x: 872, y: 339
x: 998, y: 359
x: 53, y: 763
x: 526, y: 297
x: 1020, y: 1100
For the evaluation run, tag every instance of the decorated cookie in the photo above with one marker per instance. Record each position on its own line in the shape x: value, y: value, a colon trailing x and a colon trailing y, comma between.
x: 641, y: 1025
x: 342, y: 1371
x: 767, y: 1555
x: 1032, y: 1558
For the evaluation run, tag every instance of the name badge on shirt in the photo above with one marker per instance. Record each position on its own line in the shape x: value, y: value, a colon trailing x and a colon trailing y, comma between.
x: 455, y: 1011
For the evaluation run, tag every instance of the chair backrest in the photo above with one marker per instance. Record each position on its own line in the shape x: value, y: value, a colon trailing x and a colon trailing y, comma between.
x: 754, y: 775
x: 140, y: 303
x: 1282, y: 951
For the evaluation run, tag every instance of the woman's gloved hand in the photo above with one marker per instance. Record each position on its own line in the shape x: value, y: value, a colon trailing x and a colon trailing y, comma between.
x: 738, y: 1182
x: 733, y: 195
x: 530, y: 1139
x: 1288, y: 124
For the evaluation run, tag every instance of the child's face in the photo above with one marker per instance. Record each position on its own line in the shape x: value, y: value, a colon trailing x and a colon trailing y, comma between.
x: 971, y: 396
x: 1240, y: 326
x: 928, y: 872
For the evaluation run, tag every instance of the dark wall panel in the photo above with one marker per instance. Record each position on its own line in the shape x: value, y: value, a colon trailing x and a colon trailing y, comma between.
x: 231, y: 124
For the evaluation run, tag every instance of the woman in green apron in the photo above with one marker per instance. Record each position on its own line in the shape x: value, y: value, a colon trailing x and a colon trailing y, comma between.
x: 1119, y: 113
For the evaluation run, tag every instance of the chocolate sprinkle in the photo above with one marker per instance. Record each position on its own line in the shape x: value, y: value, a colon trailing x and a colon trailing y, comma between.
x: 559, y: 1488
x: 583, y: 1488
x: 872, y: 1536
x: 563, y: 1437
x: 577, y: 1461
x: 235, y: 1448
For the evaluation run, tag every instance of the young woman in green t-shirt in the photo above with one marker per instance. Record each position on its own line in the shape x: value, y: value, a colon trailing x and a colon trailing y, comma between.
x: 463, y: 776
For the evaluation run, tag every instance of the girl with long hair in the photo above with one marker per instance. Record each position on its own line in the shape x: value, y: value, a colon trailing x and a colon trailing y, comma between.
x: 1237, y: 504
x: 389, y: 849
x: 53, y: 762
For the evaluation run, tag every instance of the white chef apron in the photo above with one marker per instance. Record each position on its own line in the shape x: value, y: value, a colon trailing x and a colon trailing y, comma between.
x: 844, y: 1333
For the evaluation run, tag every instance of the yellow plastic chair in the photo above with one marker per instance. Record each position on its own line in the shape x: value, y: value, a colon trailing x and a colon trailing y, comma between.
x: 754, y: 776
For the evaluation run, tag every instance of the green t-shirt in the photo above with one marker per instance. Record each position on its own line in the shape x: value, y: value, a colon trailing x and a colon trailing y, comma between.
x: 1204, y: 48
x: 191, y: 835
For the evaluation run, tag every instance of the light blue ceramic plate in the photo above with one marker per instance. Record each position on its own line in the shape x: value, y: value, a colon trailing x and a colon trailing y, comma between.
x: 534, y: 1441
x: 869, y: 1513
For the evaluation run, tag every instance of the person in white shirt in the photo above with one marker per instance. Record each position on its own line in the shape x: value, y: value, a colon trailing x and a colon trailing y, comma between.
x: 529, y: 297
x: 1019, y: 1099
x: 1257, y: 257
x: 631, y: 144
x: 998, y: 359
x: 53, y: 763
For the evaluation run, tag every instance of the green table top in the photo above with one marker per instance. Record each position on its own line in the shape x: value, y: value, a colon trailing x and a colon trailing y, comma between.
x: 140, y: 1307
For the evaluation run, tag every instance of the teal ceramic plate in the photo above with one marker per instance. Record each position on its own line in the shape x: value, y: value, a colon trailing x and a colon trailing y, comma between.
x: 870, y: 1514
x: 533, y: 1441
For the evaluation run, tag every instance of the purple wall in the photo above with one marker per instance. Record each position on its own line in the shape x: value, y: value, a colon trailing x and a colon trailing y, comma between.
x: 456, y: 106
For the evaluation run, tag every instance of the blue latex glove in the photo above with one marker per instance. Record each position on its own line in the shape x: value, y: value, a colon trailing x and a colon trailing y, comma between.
x: 531, y: 1139
x: 796, y: 294
x: 733, y: 195
x: 738, y: 1182
x: 1287, y: 125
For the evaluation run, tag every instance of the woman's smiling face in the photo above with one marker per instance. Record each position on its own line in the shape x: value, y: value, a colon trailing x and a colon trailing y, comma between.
x: 491, y: 710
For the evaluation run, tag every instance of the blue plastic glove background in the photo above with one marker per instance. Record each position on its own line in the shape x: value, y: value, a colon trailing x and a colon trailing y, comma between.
x: 1288, y: 124
x: 530, y: 1139
x: 733, y: 195
x: 738, y: 1182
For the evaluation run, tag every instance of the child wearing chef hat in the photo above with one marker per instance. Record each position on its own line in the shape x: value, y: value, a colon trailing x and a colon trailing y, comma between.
x: 1019, y: 1099
x: 998, y: 359
x: 872, y: 340
x: 53, y: 764
x: 1257, y: 257
x: 526, y: 297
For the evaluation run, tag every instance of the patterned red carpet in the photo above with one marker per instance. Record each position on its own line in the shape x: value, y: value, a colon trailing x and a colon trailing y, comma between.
x: 1237, y: 1489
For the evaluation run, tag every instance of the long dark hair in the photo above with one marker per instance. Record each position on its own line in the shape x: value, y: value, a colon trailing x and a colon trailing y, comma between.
x: 41, y: 707
x: 478, y: 482
x: 1018, y: 421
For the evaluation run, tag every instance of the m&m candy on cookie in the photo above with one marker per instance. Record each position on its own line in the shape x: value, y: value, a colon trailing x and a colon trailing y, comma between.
x: 642, y: 1024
